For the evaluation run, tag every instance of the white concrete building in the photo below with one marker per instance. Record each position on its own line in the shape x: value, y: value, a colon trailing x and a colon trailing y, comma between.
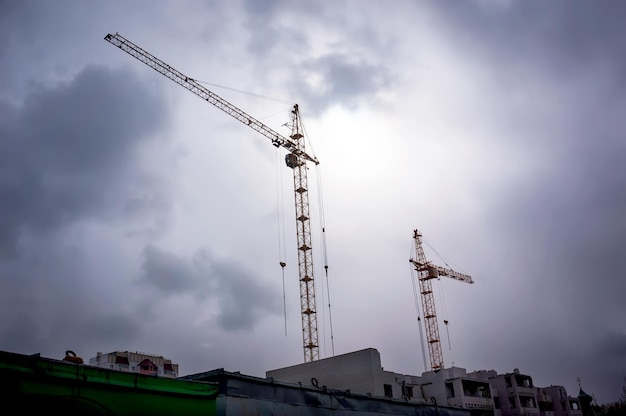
x: 361, y: 372
x: 136, y: 362
x: 516, y: 395
x: 554, y: 401
x: 484, y: 392
x: 454, y: 387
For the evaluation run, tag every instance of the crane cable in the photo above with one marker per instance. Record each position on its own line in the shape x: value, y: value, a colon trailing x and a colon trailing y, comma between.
x: 280, y: 201
x: 279, y: 196
x: 252, y: 94
x: 442, y: 299
x: 320, y: 200
x: 416, y: 297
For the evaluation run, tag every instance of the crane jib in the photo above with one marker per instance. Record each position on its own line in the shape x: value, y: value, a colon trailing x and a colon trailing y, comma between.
x: 192, y: 85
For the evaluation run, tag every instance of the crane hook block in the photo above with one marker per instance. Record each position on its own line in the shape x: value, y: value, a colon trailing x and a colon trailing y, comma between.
x: 291, y: 160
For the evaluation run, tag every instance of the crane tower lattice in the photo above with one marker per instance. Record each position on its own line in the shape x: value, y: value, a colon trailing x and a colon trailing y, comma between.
x: 426, y: 271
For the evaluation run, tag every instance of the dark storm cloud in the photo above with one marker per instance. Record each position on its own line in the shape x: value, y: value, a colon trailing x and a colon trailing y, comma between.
x: 170, y: 273
x: 49, y: 299
x: 559, y: 35
x: 576, y: 213
x: 65, y: 151
x: 242, y: 300
x: 611, y: 347
x: 68, y: 154
x: 574, y: 204
x: 564, y: 217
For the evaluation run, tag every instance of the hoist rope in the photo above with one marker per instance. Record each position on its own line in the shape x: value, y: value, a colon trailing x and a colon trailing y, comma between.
x: 280, y: 210
x: 448, y: 333
x: 282, y: 264
x: 442, y: 299
x: 306, y: 138
x: 320, y: 199
x: 416, y: 296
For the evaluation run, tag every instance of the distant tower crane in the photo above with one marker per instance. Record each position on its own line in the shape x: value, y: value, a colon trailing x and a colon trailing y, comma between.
x: 426, y: 271
x: 296, y: 159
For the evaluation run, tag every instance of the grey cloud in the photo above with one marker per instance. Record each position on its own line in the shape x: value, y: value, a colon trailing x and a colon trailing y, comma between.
x: 570, y: 200
x: 551, y: 86
x: 570, y: 34
x: 68, y: 155
x: 111, y: 327
x: 269, y: 36
x: 48, y: 301
x: 66, y: 151
x: 612, y: 346
x: 89, y: 330
x: 604, y: 365
x: 21, y: 333
x: 343, y: 80
x: 262, y: 10
x: 169, y: 273
x: 241, y: 298
x: 575, y: 212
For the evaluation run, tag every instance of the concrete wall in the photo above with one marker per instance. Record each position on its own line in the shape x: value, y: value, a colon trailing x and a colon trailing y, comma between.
x: 358, y: 372
x: 246, y: 395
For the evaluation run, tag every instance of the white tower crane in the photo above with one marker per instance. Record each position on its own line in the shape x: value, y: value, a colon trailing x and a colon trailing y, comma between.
x: 426, y: 271
x: 296, y: 159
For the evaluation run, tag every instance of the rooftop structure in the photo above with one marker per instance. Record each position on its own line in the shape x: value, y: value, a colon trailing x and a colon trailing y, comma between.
x: 136, y: 362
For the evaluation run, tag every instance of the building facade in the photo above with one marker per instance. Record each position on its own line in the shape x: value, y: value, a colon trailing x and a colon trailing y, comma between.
x: 361, y: 372
x: 554, y: 401
x: 246, y: 395
x: 515, y: 394
x: 483, y: 393
x: 136, y: 362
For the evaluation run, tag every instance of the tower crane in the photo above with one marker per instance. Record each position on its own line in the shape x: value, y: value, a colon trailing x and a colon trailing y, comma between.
x: 426, y: 271
x: 296, y: 159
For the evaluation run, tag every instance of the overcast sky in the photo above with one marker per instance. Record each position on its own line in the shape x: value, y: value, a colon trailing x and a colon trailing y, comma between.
x: 135, y: 216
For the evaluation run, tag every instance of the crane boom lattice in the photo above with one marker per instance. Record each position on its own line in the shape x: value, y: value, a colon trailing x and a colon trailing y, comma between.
x: 426, y: 271
x: 296, y: 159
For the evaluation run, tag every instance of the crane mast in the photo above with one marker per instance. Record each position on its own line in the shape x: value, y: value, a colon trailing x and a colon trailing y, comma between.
x: 296, y: 159
x: 426, y: 271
